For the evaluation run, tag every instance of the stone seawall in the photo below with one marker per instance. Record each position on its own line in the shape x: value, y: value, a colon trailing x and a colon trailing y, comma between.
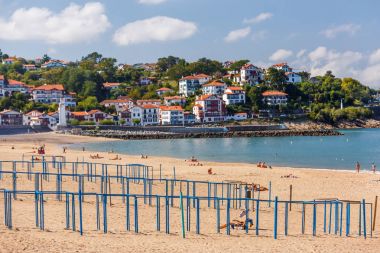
x: 146, y: 135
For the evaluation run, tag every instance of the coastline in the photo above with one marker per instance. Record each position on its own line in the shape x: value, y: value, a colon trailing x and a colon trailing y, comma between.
x: 307, y: 183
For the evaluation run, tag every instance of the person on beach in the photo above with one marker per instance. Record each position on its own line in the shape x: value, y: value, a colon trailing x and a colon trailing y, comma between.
x: 357, y: 167
x: 373, y: 167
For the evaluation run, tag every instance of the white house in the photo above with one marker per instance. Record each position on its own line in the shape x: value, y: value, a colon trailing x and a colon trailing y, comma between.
x: 174, y: 100
x: 283, y: 66
x: 292, y: 77
x: 10, y: 117
x: 274, y: 97
x: 147, y: 114
x: 214, y: 88
x: 94, y: 115
x: 234, y: 95
x: 189, y: 84
x: 237, y: 116
x: 163, y: 90
x: 110, y: 86
x: 53, y: 64
x: 251, y: 75
x: 209, y: 108
x: 29, y: 67
x: 125, y: 117
x: 52, y: 93
x: 36, y: 118
x: 17, y: 86
x: 120, y: 104
x: 148, y: 102
x: 171, y: 115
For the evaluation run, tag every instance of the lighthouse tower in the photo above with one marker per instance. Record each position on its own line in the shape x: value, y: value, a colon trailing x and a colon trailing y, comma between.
x: 62, y: 113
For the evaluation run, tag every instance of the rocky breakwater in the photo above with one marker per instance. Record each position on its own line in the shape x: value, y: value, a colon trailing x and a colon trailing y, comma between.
x: 146, y: 135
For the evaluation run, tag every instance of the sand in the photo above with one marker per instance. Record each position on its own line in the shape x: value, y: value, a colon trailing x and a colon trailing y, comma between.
x: 309, y: 184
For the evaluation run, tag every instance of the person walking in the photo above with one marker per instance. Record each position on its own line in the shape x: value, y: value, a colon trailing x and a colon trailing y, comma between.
x: 357, y: 167
x: 373, y: 167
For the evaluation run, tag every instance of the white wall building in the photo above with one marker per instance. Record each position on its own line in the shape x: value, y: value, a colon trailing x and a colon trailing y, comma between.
x: 147, y: 114
x: 171, y: 115
x: 214, y: 88
x: 189, y: 84
x: 251, y: 75
x: 274, y: 97
x: 234, y: 95
x: 119, y: 104
x: 52, y: 93
x: 292, y: 77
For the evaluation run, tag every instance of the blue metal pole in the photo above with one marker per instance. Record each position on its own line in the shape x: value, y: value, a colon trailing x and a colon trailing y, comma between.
x: 286, y: 218
x: 198, y: 217
x: 364, y: 220
x: 257, y: 216
x: 275, y: 216
x: 136, y: 216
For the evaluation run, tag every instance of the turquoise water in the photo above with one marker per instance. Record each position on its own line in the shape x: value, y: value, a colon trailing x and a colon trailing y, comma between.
x: 335, y: 152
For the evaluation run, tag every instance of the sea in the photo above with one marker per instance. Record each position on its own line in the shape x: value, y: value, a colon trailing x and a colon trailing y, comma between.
x: 326, y: 152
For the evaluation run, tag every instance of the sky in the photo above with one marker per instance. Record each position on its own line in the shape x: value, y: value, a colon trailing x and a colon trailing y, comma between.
x: 316, y: 36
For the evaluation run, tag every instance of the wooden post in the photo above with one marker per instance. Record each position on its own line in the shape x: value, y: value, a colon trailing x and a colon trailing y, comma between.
x: 290, y: 197
x: 374, y: 215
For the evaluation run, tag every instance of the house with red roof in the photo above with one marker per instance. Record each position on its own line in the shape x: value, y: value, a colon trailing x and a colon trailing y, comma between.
x: 110, y: 86
x: 234, y: 95
x: 36, y: 118
x: 274, y: 97
x: 29, y: 67
x: 209, y: 108
x: 145, y: 114
x: 283, y: 66
x: 251, y: 75
x: 171, y: 115
x: 163, y: 90
x: 94, y: 115
x: 120, y: 104
x: 214, y: 88
x: 189, y: 84
x: 174, y: 100
x: 148, y: 102
x: 52, y: 93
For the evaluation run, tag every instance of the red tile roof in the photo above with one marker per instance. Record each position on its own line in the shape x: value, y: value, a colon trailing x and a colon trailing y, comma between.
x: 164, y: 89
x: 115, y: 101
x: 49, y: 87
x: 149, y: 101
x: 15, y: 82
x: 174, y: 97
x: 149, y: 106
x: 274, y: 93
x: 280, y: 64
x: 171, y: 108
x: 199, y: 76
x: 110, y: 85
x: 2, y: 77
x: 79, y: 113
x: 235, y: 88
x: 214, y: 83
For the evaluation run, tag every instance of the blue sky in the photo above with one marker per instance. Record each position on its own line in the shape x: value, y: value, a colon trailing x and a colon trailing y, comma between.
x: 340, y: 35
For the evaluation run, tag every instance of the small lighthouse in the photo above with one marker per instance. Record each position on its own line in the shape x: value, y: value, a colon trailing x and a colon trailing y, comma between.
x: 62, y: 113
x: 341, y: 103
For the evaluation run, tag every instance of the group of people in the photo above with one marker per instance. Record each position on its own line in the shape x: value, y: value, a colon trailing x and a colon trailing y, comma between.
x: 97, y: 156
x: 144, y: 156
x: 373, y: 167
x: 263, y: 165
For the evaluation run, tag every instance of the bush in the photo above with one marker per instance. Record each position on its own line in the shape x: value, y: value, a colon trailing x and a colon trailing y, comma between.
x: 87, y: 123
x: 73, y: 122
x: 107, y: 122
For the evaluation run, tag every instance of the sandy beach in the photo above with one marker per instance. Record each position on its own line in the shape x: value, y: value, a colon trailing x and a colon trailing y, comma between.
x: 308, y: 184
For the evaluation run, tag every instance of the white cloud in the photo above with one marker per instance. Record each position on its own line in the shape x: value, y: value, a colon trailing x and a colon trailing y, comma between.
x: 301, y: 53
x: 375, y: 57
x: 151, y: 2
x: 238, y: 34
x: 158, y: 28
x: 371, y: 75
x: 260, y: 35
x: 333, y: 31
x: 73, y: 24
x: 259, y: 18
x: 280, y: 54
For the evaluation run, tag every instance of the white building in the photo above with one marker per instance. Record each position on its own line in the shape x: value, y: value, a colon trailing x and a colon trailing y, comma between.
x: 209, y: 108
x: 53, y: 64
x: 148, y: 102
x: 292, y: 77
x: 163, y: 90
x: 110, y: 86
x: 52, y: 93
x: 36, y: 118
x: 274, y: 97
x: 234, y: 95
x: 174, y: 100
x: 214, y: 88
x: 171, y: 115
x: 147, y: 114
x: 282, y: 66
x: 29, y: 67
x: 119, y: 104
x: 189, y: 84
x: 237, y: 116
x: 251, y: 75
